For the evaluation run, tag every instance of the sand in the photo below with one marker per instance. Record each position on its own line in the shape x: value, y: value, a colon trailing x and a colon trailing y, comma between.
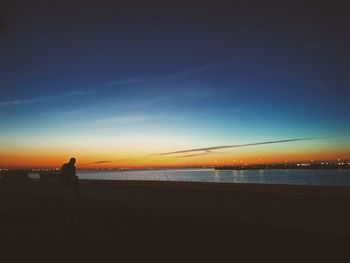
x: 175, y: 222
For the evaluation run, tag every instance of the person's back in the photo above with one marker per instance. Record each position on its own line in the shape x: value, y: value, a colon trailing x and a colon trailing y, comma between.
x: 68, y: 175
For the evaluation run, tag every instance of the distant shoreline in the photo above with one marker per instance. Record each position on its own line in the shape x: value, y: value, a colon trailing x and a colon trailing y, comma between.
x: 224, y: 167
x: 303, y: 166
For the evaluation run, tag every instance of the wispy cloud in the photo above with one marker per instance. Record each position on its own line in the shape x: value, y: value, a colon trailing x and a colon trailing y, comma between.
x: 192, y: 155
x: 98, y: 162
x: 207, y: 150
x: 116, y: 160
x: 123, y: 120
x: 75, y: 93
x: 182, y: 74
x: 18, y: 102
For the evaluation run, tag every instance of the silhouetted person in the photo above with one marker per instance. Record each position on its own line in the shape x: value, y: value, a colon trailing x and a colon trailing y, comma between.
x: 69, y: 177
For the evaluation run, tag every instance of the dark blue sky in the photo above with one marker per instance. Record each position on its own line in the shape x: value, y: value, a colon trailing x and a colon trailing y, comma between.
x: 228, y: 71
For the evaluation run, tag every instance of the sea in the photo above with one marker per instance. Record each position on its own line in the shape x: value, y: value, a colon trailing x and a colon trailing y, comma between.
x: 338, y: 177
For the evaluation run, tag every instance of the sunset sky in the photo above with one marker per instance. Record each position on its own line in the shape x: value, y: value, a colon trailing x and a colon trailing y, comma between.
x: 116, y: 85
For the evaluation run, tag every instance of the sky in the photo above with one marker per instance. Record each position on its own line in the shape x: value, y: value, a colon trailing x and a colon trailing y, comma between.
x: 118, y: 84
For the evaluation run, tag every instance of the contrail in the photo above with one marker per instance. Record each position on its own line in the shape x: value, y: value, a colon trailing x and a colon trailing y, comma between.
x: 98, y: 162
x: 192, y: 155
x: 113, y: 161
x: 208, y: 149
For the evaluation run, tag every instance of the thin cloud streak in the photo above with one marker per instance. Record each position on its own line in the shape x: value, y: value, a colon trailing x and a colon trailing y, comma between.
x: 192, y: 155
x: 97, y: 162
x: 18, y: 102
x: 44, y: 99
x: 179, y: 75
x: 209, y: 149
x: 115, y: 161
x: 127, y: 119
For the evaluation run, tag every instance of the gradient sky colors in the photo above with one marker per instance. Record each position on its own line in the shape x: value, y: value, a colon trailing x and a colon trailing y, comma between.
x: 114, y: 84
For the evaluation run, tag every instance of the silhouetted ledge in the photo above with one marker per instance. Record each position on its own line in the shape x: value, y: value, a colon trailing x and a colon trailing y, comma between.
x: 267, y: 189
x: 315, y: 190
x: 176, y: 221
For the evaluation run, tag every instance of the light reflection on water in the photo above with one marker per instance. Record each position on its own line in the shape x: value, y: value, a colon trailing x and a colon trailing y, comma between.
x: 296, y: 177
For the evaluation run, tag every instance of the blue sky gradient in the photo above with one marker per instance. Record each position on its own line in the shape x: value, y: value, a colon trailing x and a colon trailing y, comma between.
x: 198, y: 75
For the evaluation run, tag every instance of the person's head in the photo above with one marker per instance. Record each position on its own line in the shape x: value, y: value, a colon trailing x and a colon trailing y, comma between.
x: 72, y: 160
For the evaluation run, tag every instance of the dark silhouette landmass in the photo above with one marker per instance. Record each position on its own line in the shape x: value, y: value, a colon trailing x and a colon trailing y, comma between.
x: 139, y: 221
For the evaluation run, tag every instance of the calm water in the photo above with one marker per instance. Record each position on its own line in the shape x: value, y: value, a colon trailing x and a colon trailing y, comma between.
x: 296, y: 177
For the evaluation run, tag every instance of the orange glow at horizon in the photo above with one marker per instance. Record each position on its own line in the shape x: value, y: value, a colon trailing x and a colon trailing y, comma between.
x: 138, y: 160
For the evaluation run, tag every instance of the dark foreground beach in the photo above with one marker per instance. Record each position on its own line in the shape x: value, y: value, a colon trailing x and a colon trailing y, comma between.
x: 125, y: 221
